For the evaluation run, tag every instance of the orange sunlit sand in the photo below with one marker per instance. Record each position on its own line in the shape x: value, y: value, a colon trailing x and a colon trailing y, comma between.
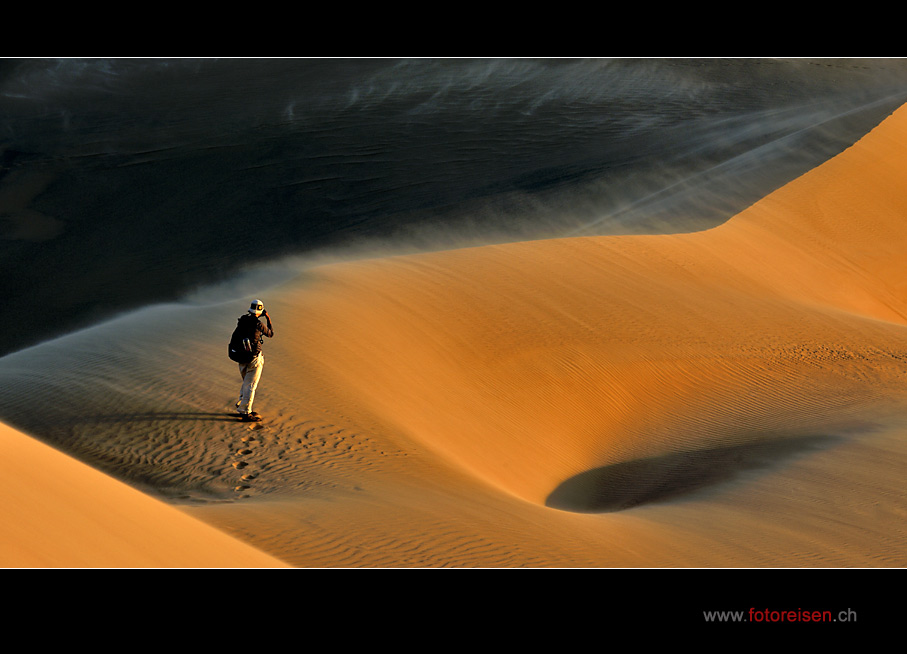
x: 62, y: 513
x: 733, y: 397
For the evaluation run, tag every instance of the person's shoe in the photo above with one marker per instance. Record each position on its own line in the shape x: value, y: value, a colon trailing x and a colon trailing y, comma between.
x: 250, y: 417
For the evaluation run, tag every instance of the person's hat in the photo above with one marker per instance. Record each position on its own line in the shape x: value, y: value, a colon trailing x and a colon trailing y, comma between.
x: 256, y: 307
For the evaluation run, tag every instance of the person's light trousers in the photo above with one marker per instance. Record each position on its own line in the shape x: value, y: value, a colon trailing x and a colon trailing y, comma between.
x: 251, y: 374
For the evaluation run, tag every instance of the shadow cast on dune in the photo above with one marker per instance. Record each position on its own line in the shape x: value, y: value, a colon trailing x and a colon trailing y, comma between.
x: 652, y: 480
x: 165, y: 415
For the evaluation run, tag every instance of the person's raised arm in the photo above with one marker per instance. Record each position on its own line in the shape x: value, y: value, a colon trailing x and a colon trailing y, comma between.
x: 270, y: 332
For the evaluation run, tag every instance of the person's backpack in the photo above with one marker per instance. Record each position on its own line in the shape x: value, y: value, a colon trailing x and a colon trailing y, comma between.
x: 244, y: 344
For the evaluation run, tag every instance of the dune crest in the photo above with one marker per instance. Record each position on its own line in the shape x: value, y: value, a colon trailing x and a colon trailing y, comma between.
x: 531, y: 362
x: 834, y: 236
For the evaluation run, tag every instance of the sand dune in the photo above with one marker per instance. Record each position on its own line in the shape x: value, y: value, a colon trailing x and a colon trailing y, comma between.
x: 62, y: 513
x: 733, y: 397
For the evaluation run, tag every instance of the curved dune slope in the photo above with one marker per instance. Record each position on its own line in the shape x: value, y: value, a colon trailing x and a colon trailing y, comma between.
x: 64, y: 514
x: 530, y: 363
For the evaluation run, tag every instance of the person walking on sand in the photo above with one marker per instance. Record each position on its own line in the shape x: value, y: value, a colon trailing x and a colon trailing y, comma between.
x: 246, y: 349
